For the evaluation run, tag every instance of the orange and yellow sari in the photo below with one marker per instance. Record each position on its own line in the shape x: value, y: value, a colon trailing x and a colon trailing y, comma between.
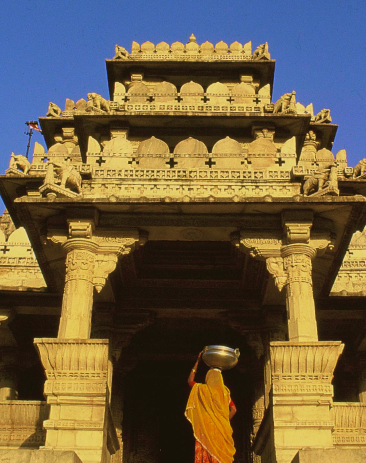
x: 208, y: 412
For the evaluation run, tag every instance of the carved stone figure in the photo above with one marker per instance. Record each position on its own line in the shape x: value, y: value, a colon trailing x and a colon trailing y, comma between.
x: 68, y: 176
x: 120, y: 52
x: 261, y: 51
x: 97, y: 101
x: 360, y: 168
x: 321, y: 180
x: 323, y: 117
x: 18, y: 161
x: 315, y: 183
x: 53, y: 110
x: 287, y: 103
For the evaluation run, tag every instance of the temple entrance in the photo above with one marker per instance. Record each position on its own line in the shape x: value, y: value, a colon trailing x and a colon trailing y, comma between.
x: 155, y: 390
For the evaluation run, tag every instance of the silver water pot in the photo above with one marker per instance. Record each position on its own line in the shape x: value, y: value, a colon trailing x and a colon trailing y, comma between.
x: 220, y: 357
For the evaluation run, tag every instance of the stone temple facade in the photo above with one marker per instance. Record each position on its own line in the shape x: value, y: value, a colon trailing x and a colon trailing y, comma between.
x: 185, y: 209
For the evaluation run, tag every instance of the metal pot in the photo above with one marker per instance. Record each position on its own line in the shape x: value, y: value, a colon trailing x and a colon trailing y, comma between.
x: 220, y: 357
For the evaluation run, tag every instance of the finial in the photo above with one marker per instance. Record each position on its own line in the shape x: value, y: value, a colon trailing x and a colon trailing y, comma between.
x: 192, y: 38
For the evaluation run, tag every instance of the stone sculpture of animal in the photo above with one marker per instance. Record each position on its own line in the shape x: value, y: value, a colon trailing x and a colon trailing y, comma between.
x: 20, y: 162
x: 360, y: 168
x: 98, y: 101
x: 68, y: 176
x: 316, y: 182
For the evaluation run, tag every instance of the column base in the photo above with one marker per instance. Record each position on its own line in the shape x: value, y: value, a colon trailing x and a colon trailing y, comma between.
x: 299, y: 414
x: 78, y: 392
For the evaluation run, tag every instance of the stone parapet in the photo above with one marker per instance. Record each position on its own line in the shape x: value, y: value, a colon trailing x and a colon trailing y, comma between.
x: 330, y: 455
x: 349, y: 424
x: 21, y: 423
x: 38, y: 456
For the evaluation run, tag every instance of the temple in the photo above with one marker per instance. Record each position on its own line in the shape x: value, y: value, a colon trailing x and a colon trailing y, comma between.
x: 184, y: 209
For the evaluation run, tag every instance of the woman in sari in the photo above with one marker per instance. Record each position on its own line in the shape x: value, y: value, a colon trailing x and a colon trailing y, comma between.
x: 209, y: 410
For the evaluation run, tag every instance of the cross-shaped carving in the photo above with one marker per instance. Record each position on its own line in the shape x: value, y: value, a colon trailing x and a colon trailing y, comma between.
x: 100, y: 161
x: 67, y: 159
x: 279, y: 161
x: 5, y: 249
x: 133, y: 162
x: 230, y: 99
x: 257, y: 100
x: 315, y: 163
x: 179, y: 98
x: 44, y: 158
x: 171, y: 163
x: 210, y: 163
x: 150, y: 98
x: 205, y: 99
x: 126, y: 98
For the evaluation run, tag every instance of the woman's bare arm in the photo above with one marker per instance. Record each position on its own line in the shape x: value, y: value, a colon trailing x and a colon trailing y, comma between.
x: 192, y: 374
x: 232, y: 411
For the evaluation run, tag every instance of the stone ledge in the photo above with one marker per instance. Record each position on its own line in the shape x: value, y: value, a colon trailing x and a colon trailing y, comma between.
x: 38, y: 456
x: 330, y: 456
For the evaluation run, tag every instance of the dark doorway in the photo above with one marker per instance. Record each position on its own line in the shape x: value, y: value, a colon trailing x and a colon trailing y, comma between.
x: 155, y: 429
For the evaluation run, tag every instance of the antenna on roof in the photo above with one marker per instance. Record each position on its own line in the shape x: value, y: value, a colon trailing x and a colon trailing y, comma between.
x: 32, y: 125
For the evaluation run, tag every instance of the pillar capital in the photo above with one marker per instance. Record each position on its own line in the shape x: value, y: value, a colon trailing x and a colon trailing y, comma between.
x: 91, y: 255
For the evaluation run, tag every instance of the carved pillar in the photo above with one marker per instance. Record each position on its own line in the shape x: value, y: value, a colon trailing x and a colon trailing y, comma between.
x: 91, y: 255
x: 302, y: 396
x: 288, y: 256
x: 77, y: 303
x: 8, y: 373
x: 362, y: 377
x: 299, y: 292
x: 79, y: 369
x: 9, y: 360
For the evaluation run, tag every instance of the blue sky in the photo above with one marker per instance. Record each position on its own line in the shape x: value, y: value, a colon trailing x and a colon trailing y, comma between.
x: 51, y: 50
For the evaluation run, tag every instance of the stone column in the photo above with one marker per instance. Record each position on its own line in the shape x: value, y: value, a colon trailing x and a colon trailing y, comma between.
x: 288, y: 255
x: 300, y: 304
x: 362, y: 377
x: 77, y: 302
x: 9, y: 359
x: 8, y: 373
x: 79, y: 369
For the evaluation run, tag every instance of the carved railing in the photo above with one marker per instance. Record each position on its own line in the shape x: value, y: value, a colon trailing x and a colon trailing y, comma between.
x: 21, y: 423
x: 349, y: 424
